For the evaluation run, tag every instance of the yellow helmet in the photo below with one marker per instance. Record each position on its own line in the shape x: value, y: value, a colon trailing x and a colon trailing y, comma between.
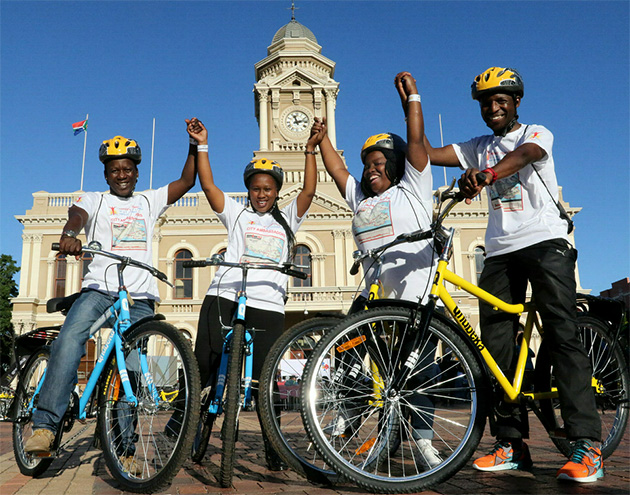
x: 497, y: 80
x: 265, y: 166
x: 383, y: 142
x: 119, y: 147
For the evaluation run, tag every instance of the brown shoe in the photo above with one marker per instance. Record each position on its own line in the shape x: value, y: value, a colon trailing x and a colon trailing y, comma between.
x: 130, y: 465
x: 41, y: 441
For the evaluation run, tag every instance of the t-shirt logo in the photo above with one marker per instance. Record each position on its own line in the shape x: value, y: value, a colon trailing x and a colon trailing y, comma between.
x: 129, y: 229
x: 263, y: 244
x: 507, y: 193
x: 373, y: 220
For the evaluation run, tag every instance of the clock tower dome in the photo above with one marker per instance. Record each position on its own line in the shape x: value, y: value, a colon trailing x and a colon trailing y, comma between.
x: 294, y: 84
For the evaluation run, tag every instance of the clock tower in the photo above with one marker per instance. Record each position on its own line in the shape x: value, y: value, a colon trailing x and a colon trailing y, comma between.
x: 294, y: 84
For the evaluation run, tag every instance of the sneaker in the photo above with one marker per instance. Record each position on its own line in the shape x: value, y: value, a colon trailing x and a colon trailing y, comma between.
x: 41, y: 441
x: 502, y: 457
x: 130, y: 465
x: 428, y: 456
x: 337, y: 427
x: 586, y: 464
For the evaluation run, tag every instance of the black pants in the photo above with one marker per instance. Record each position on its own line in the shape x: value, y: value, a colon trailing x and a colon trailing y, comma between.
x: 269, y: 325
x: 549, y: 267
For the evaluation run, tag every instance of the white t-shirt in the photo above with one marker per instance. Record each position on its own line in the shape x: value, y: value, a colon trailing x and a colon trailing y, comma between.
x: 406, y: 207
x: 522, y: 212
x: 257, y: 238
x: 123, y: 226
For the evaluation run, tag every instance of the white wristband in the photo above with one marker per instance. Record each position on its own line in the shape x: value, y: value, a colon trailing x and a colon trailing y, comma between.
x: 203, y: 148
x: 415, y: 97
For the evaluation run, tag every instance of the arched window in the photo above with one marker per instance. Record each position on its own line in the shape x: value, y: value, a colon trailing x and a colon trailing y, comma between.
x: 480, y: 256
x: 183, y: 276
x: 86, y: 259
x: 60, y: 275
x: 303, y: 258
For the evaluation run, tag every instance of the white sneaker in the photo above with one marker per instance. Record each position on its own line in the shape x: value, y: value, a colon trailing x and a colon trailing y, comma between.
x: 428, y: 455
x: 337, y: 426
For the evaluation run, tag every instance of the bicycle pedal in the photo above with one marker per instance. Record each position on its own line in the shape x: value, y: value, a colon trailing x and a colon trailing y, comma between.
x: 43, y: 455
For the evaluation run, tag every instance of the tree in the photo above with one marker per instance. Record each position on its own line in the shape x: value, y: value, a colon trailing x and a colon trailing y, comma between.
x: 8, y: 289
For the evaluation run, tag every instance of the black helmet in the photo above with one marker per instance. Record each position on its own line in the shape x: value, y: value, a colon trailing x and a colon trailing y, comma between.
x: 265, y: 166
x: 119, y: 147
x: 394, y: 148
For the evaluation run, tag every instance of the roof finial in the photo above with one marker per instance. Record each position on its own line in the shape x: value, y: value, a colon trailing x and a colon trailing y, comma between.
x: 293, y: 9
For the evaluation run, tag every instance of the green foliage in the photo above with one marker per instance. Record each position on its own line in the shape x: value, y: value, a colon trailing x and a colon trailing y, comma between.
x: 8, y: 289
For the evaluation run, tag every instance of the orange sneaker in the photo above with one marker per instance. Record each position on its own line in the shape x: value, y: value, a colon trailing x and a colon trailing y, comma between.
x: 586, y: 464
x: 502, y: 457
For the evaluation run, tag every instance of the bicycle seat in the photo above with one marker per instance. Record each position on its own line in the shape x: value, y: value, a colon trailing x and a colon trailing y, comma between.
x: 61, y: 303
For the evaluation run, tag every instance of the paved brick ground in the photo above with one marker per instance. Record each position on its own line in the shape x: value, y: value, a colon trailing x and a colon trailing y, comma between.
x: 81, y: 471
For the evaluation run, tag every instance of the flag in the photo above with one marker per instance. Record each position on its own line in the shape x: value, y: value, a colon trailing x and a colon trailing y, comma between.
x: 79, y: 127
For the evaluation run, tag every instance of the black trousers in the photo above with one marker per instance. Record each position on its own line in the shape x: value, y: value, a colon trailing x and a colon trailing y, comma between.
x: 269, y: 325
x: 549, y: 267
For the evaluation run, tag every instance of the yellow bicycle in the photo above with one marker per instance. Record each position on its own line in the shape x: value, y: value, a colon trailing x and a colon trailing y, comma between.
x: 435, y: 370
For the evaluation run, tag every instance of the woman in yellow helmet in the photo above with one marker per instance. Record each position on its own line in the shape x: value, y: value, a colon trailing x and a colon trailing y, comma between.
x: 257, y: 231
x: 392, y: 197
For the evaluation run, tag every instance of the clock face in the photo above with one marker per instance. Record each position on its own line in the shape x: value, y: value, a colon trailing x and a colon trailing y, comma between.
x: 297, y: 121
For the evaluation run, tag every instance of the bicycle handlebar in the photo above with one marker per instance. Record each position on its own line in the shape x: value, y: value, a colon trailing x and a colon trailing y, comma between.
x: 94, y: 247
x: 283, y: 268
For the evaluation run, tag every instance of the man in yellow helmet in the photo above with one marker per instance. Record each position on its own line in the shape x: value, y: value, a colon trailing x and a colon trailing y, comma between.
x: 526, y: 241
x: 121, y: 221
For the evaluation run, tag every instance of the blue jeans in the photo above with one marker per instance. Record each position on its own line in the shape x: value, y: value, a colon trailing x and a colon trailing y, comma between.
x: 67, y: 351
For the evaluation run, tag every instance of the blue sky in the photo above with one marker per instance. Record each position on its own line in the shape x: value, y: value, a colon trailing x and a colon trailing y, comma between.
x: 126, y: 63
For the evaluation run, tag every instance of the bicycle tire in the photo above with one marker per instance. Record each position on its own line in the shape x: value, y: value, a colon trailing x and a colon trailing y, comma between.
x: 611, y: 395
x: 154, y: 437
x: 232, y: 406
x: 22, y: 426
x: 280, y: 414
x: 381, y: 452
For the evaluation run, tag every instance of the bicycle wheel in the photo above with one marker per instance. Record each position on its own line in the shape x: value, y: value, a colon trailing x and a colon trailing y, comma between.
x: 22, y: 426
x: 146, y: 444
x: 204, y: 427
x: 612, y: 384
x: 232, y: 405
x: 280, y: 408
x: 394, y: 440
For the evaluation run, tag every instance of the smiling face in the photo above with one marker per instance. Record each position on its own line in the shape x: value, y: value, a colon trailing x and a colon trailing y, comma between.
x: 498, y: 110
x: 263, y: 192
x: 121, y: 176
x: 374, y: 172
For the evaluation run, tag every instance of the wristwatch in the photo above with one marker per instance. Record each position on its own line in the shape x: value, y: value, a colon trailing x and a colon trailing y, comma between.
x: 69, y: 233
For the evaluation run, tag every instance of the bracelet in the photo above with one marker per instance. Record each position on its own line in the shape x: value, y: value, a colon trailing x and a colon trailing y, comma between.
x: 192, y: 141
x: 310, y: 152
x: 69, y: 233
x: 492, y: 173
x: 414, y: 97
x: 202, y: 148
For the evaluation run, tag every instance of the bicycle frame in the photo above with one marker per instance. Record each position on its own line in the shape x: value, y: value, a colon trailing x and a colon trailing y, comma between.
x: 119, y: 310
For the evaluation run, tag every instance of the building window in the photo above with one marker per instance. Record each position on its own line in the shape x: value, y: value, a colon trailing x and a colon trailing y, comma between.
x: 183, y: 276
x: 480, y: 256
x: 303, y: 258
x: 60, y: 275
x: 86, y: 259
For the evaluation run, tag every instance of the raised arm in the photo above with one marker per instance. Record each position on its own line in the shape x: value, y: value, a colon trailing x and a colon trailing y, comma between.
x: 444, y: 157
x: 332, y: 161
x: 181, y: 186
x: 305, y: 198
x: 198, y: 131
x: 407, y: 89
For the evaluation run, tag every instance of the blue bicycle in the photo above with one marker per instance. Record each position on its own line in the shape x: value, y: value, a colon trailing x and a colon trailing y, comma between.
x: 231, y: 391
x: 146, y: 375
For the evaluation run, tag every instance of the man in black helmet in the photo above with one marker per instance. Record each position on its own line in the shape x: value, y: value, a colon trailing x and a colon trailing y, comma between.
x: 526, y: 242
x: 121, y: 221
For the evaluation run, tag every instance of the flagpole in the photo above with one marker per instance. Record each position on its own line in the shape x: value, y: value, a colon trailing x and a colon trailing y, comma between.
x: 152, y: 145
x: 442, y: 145
x: 87, y: 116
